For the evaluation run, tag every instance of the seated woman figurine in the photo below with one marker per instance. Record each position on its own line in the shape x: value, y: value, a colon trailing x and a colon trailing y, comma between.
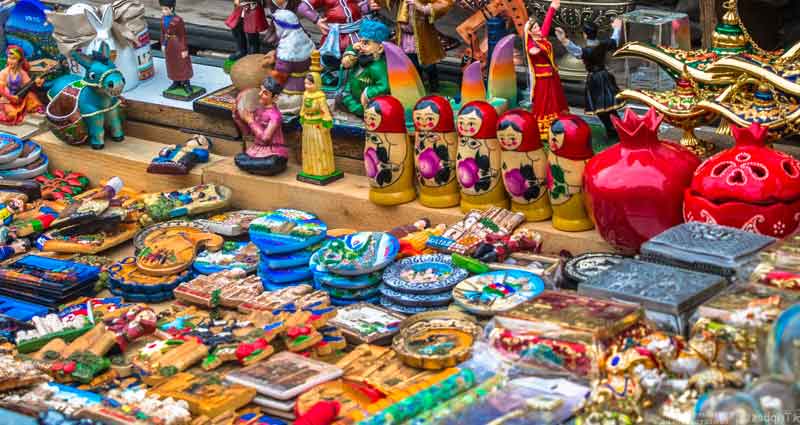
x: 268, y: 155
x: 179, y: 159
x: 16, y: 97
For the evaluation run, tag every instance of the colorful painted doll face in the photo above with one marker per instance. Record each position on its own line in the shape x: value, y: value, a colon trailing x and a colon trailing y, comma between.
x: 166, y: 11
x: 266, y: 97
x: 309, y: 83
x: 509, y: 138
x: 426, y: 118
x: 372, y: 119
x: 12, y: 61
x: 536, y: 30
x: 368, y: 47
x: 469, y: 124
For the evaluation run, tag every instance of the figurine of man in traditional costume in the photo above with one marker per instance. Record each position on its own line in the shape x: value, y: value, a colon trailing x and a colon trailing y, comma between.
x: 601, y: 86
x: 247, y: 21
x: 418, y: 37
x: 176, y: 55
x: 339, y: 23
x: 366, y: 63
x: 547, y: 93
x: 292, y: 60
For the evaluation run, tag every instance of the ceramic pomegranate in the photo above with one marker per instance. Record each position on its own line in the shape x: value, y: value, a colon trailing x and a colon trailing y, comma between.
x: 635, y: 188
x: 749, y: 186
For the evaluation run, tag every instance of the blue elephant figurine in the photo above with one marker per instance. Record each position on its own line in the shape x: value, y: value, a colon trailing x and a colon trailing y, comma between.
x: 81, y: 109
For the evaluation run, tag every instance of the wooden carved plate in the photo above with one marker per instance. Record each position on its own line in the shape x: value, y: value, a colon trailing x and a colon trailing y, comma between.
x: 171, y: 250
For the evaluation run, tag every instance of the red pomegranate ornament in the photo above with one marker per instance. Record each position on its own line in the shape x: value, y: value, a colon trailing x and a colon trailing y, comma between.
x: 635, y: 188
x: 750, y: 187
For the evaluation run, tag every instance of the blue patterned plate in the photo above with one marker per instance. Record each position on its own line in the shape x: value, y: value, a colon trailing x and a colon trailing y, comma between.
x: 292, y: 274
x: 290, y: 259
x: 286, y: 230
x: 441, y: 299
x: 274, y: 286
x: 14, y: 146
x: 233, y: 255
x: 30, y: 152
x: 357, y: 253
x: 494, y: 292
x: 347, y: 282
x: 349, y: 294
x: 424, y: 274
x: 404, y: 309
x: 340, y: 302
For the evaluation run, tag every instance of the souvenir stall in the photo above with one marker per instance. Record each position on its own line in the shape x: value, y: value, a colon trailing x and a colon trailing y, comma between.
x: 326, y: 228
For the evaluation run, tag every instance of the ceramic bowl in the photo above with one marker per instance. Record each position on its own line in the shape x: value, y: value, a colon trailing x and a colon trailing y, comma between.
x: 424, y: 274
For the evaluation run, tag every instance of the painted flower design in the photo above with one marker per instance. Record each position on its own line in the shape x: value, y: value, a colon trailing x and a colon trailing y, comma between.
x: 371, y: 162
x: 516, y: 184
x: 428, y: 163
x: 468, y: 172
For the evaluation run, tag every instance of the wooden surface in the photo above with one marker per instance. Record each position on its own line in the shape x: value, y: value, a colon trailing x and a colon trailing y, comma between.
x: 180, y: 118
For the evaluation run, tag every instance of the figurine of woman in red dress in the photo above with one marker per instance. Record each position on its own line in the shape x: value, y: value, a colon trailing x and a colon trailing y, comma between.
x: 547, y: 94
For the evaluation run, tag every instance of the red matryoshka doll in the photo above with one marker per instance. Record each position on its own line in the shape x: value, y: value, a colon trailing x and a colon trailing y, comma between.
x: 570, y: 150
x: 479, y: 158
x: 435, y: 152
x: 524, y: 164
x: 388, y: 156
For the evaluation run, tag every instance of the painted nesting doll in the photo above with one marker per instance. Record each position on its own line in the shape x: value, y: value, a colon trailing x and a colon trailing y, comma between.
x: 524, y: 164
x: 388, y: 157
x: 435, y: 150
x: 570, y: 149
x: 479, y: 160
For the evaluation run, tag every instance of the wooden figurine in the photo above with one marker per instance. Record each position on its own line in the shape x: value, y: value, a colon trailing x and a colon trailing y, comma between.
x: 479, y: 158
x: 246, y: 21
x: 524, y: 164
x: 570, y: 150
x: 435, y: 151
x: 16, y: 97
x: 315, y: 116
x: 268, y: 154
x: 180, y: 159
x: 365, y: 61
x: 387, y: 153
x: 292, y: 59
x: 176, y: 55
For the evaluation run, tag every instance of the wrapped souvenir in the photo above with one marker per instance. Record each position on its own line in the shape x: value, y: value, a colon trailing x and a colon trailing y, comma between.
x: 388, y: 156
x: 779, y: 266
x: 435, y: 151
x: 570, y: 148
x: 479, y: 159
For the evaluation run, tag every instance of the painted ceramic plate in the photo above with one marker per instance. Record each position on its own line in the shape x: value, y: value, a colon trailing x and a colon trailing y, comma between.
x: 365, y: 323
x: 141, y: 237
x: 347, y: 282
x: 10, y: 147
x: 284, y: 375
x: 30, y: 152
x: 339, y: 302
x: 292, y: 274
x: 350, y: 294
x: 357, y: 253
x: 233, y: 255
x: 275, y: 286
x: 404, y: 309
x: 290, y: 259
x: 441, y: 299
x: 490, y: 293
x: 34, y: 169
x: 286, y: 230
x: 424, y: 274
x: 436, y: 340
x: 231, y: 223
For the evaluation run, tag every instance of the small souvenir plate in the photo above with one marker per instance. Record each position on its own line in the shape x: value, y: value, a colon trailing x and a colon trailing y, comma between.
x: 30, y: 152
x: 233, y: 255
x: 275, y: 286
x: 341, y: 302
x: 407, y: 310
x: 141, y: 237
x: 10, y: 147
x: 35, y: 168
x: 284, y: 375
x: 351, y: 294
x: 286, y: 230
x: 442, y: 299
x: 289, y: 275
x: 357, y: 253
x: 490, y: 293
x: 582, y: 267
x: 290, y: 259
x: 436, y: 340
x: 231, y: 223
x: 424, y: 274
x: 365, y: 323
x: 347, y: 282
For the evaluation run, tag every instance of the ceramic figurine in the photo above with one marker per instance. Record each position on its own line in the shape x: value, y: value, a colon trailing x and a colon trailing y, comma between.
x: 292, y: 59
x: 16, y: 96
x: 365, y: 63
x: 479, y: 158
x: 570, y: 149
x: 318, y: 165
x: 268, y: 154
x: 652, y: 199
x: 179, y: 159
x: 749, y: 186
x: 524, y: 164
x: 339, y: 23
x: 246, y: 21
x: 176, y: 55
x: 418, y: 37
x: 387, y: 153
x: 601, y: 87
x: 546, y: 92
x: 82, y: 108
x: 435, y: 150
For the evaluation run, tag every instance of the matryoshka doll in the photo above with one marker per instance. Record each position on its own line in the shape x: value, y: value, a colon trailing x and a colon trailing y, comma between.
x: 479, y: 158
x: 435, y: 151
x: 524, y: 164
x: 388, y: 157
x: 570, y: 150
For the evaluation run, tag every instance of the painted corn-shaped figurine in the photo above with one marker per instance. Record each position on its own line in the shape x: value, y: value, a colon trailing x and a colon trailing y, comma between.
x: 570, y: 149
x: 435, y: 150
x: 524, y: 164
x: 479, y: 158
x: 388, y: 158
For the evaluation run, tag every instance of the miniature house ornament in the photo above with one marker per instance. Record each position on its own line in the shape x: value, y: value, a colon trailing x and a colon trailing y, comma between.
x: 479, y: 158
x: 176, y: 55
x: 388, y: 156
x: 524, y: 164
x: 570, y: 149
x: 435, y: 150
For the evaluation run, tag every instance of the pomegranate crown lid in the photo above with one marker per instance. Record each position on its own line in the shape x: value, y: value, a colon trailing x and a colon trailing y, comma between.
x: 633, y: 125
x: 754, y: 135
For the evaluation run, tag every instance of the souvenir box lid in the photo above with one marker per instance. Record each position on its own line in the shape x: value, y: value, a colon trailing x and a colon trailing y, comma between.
x: 284, y: 375
x: 567, y: 310
x: 705, y: 247
x: 749, y: 304
x: 656, y: 287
